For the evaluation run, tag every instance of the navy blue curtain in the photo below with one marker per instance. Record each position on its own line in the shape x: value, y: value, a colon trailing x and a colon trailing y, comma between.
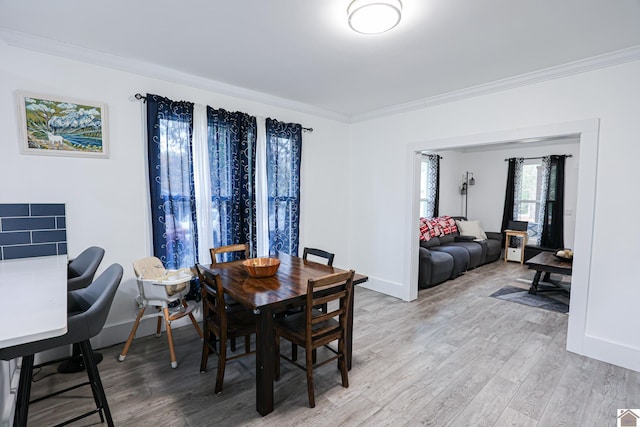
x: 509, y: 195
x: 169, y: 131
x: 232, y: 164
x: 553, y: 225
x: 284, y: 152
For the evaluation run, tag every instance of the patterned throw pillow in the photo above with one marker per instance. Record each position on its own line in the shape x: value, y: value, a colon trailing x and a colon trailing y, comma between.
x: 447, y: 225
x: 425, y: 234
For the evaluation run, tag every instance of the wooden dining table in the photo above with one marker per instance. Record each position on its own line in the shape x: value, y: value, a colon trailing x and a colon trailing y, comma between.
x: 267, y: 296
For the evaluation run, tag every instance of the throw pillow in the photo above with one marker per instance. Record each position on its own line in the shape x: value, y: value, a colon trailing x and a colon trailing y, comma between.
x: 425, y: 234
x: 471, y: 228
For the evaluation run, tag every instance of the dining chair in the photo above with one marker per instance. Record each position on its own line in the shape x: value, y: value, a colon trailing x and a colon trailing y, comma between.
x: 242, y: 250
x: 158, y: 288
x: 87, y: 311
x: 222, y: 323
x: 328, y: 256
x: 313, y: 328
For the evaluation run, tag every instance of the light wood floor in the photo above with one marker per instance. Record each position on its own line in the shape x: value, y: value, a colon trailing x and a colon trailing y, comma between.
x: 453, y: 357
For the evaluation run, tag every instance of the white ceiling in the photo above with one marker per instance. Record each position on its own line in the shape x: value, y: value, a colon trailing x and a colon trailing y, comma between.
x: 304, y: 51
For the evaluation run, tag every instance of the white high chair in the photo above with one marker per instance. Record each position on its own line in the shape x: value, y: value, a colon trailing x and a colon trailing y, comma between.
x: 158, y: 288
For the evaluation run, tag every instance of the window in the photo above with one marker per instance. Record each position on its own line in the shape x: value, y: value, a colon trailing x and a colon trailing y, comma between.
x: 429, y: 183
x: 204, y: 185
x: 531, y: 191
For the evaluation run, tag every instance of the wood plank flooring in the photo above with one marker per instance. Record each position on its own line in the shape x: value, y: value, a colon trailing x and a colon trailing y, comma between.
x: 453, y: 357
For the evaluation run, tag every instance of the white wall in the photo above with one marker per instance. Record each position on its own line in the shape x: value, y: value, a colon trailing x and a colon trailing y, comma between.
x: 107, y: 199
x: 486, y: 197
x: 609, y: 291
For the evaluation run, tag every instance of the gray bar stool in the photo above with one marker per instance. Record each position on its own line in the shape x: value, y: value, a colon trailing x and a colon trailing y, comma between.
x: 87, y: 312
x: 80, y: 274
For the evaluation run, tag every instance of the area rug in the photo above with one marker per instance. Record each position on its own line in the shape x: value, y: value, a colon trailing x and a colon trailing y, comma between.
x: 559, y: 303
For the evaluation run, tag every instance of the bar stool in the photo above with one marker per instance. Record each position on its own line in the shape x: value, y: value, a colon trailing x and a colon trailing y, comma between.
x: 87, y: 313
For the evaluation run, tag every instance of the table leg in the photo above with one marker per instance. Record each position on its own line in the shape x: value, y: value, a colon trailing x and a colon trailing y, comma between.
x: 265, y: 362
x: 536, y: 280
x: 349, y: 337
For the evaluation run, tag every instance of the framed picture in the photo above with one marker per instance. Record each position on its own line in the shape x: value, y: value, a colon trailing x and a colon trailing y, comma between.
x: 58, y: 126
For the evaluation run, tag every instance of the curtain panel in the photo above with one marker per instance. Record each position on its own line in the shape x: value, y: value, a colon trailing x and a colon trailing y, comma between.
x: 553, y: 220
x: 284, y: 154
x: 232, y: 165
x: 432, y: 185
x: 514, y: 179
x: 169, y: 134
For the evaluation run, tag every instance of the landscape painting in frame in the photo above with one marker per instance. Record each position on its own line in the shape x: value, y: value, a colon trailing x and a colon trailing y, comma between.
x: 58, y: 126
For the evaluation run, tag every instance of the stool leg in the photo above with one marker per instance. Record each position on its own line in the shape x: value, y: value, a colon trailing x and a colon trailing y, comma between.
x: 24, y: 392
x: 172, y: 352
x: 94, y: 378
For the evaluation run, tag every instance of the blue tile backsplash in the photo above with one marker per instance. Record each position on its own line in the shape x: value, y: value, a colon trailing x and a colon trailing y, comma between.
x: 32, y: 229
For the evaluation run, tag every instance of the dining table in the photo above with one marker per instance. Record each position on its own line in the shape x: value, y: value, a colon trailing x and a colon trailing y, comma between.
x: 267, y: 296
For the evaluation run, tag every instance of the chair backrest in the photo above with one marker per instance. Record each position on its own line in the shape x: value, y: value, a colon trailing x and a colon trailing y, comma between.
x: 149, y: 268
x: 243, y: 248
x: 213, y: 303
x: 319, y: 253
x: 93, y: 303
x: 81, y: 271
x: 323, y: 290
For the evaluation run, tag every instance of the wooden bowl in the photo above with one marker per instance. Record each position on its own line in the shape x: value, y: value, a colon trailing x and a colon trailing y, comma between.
x: 261, y: 267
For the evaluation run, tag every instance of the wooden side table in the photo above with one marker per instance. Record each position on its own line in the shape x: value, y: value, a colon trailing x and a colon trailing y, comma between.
x: 513, y: 254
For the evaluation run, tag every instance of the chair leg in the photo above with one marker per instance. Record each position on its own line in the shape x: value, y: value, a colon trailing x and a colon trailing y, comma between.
x: 247, y: 343
x: 205, y: 350
x: 172, y: 352
x: 312, y: 399
x: 24, y: 392
x: 132, y: 334
x: 294, y: 352
x: 159, y: 325
x: 94, y: 378
x: 342, y: 362
x: 222, y: 361
x: 233, y: 344
x: 193, y: 319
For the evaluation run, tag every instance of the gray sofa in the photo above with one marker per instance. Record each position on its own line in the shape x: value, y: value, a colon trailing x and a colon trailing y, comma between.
x: 447, y: 257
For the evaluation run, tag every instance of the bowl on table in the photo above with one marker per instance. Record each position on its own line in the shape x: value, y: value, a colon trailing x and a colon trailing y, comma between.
x: 564, y: 255
x: 261, y: 267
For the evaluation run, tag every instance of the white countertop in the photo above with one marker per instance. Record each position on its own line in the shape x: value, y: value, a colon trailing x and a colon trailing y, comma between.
x: 34, y: 293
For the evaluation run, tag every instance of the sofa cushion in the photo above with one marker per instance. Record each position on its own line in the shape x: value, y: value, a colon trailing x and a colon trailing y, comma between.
x: 447, y: 238
x: 471, y: 228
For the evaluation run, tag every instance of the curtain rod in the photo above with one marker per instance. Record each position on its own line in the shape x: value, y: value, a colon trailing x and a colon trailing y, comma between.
x: 427, y: 154
x: 139, y: 97
x: 541, y: 157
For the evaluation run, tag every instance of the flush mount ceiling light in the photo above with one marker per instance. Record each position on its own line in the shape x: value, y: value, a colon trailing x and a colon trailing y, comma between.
x: 374, y: 16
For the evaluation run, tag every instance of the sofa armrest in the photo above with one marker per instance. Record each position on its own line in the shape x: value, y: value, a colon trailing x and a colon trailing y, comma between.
x: 493, y: 235
x: 463, y: 238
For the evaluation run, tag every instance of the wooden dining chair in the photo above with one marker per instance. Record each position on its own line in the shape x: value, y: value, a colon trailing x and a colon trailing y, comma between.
x: 242, y: 248
x: 242, y: 252
x: 313, y: 328
x: 222, y: 323
x: 328, y: 256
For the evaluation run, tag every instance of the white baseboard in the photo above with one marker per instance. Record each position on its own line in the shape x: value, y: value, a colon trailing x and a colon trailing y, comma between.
x: 611, y: 352
x: 119, y: 332
x: 393, y: 289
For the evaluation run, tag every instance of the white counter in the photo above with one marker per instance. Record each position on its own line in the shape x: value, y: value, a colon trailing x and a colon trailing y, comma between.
x: 34, y: 291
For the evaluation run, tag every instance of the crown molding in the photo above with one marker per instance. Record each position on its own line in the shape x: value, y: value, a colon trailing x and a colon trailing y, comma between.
x: 584, y: 65
x: 89, y: 56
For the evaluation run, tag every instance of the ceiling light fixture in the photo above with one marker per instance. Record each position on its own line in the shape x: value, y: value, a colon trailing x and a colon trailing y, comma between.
x: 374, y: 16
